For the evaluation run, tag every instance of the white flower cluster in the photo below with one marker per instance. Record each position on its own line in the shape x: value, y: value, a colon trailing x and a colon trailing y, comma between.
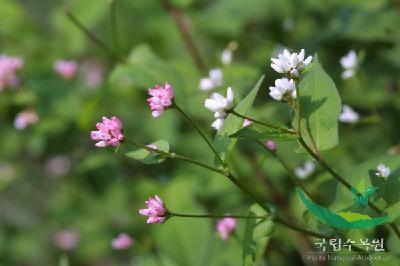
x: 383, y: 170
x: 214, y: 80
x: 349, y: 62
x: 305, y: 171
x: 283, y: 87
x: 219, y: 105
x: 348, y: 115
x: 289, y: 64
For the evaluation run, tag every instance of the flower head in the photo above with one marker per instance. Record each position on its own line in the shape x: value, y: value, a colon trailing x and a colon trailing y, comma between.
x: 290, y: 63
x: 225, y: 226
x: 66, y: 68
x: 214, y: 79
x: 123, y: 241
x: 383, y: 170
x: 306, y: 170
x: 271, y: 145
x: 9, y: 66
x: 25, y: 119
x: 219, y: 105
x: 284, y: 89
x: 66, y: 239
x: 349, y: 63
x: 160, y: 99
x: 156, y: 210
x: 348, y: 115
x: 109, y: 132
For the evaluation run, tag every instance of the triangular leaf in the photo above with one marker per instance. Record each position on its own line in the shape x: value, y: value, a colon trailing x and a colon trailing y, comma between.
x: 320, y: 108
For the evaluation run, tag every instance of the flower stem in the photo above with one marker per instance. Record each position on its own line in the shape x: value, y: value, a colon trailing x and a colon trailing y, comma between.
x: 187, y: 38
x: 175, y: 106
x: 216, y: 216
x: 177, y: 156
x: 113, y: 22
x: 257, y: 121
x: 92, y: 37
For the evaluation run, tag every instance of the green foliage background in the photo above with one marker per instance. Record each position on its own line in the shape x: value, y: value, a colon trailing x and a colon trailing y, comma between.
x: 100, y: 195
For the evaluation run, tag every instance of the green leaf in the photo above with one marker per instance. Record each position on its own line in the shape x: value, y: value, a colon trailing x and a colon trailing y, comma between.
x: 320, y: 108
x: 145, y: 69
x: 149, y: 157
x: 260, y: 132
x: 257, y: 235
x: 342, y: 220
x: 232, y: 124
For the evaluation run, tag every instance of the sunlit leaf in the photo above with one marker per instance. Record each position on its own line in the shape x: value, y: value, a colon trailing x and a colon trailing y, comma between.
x: 320, y: 108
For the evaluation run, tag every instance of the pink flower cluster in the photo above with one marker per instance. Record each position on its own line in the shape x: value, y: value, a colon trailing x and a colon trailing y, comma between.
x: 25, y: 119
x: 9, y: 66
x: 156, y: 210
x: 66, y: 68
x: 161, y: 99
x: 66, y: 239
x: 123, y: 241
x: 225, y: 227
x: 109, y: 132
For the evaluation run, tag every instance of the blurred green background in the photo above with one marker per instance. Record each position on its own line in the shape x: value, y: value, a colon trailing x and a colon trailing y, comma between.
x: 52, y: 178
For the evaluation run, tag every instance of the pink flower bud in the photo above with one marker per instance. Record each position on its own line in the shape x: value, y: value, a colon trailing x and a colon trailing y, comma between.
x: 109, y: 132
x: 123, y: 241
x: 161, y: 99
x: 8, y: 71
x: 156, y: 210
x: 25, y: 119
x: 66, y: 239
x: 66, y: 68
x: 225, y: 227
x: 271, y: 145
x: 247, y: 123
